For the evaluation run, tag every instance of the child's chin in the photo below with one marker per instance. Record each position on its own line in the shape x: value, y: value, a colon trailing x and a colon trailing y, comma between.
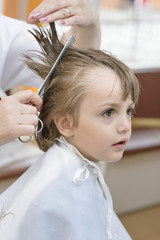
x: 116, y: 158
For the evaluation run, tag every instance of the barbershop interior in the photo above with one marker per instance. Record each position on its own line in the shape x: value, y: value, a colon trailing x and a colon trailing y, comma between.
x: 130, y: 30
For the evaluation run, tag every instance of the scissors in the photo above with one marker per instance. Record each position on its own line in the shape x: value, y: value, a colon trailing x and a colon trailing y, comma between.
x: 42, y: 88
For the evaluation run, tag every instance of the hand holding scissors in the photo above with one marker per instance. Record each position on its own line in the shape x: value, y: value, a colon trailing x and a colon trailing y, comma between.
x: 18, y: 114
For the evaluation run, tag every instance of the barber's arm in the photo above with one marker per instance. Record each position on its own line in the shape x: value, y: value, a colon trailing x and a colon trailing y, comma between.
x: 81, y: 15
x: 18, y: 116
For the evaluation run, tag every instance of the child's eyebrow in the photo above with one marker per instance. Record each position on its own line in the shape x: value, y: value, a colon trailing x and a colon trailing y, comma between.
x: 116, y: 105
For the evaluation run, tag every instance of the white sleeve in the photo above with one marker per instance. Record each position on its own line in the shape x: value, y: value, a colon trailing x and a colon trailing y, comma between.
x: 14, y: 41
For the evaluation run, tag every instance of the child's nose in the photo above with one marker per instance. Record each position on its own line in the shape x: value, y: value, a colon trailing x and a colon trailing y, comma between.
x: 124, y: 124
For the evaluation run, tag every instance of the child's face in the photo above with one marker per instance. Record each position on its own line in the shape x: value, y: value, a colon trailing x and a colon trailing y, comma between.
x: 104, y: 122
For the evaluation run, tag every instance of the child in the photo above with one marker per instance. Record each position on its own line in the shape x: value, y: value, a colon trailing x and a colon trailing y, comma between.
x: 87, y: 111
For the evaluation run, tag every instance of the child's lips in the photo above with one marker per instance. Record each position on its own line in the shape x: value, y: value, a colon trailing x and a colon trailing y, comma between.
x: 121, y: 144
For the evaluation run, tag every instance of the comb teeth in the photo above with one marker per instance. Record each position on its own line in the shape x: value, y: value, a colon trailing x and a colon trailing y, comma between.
x: 68, y: 44
x: 70, y: 41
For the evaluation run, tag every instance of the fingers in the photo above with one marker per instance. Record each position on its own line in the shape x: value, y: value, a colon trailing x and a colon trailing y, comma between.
x: 28, y: 114
x: 69, y: 12
x: 28, y: 96
x: 81, y: 15
x: 24, y: 125
x: 18, y: 118
x: 61, y: 14
x: 72, y: 21
x: 45, y: 9
x: 30, y: 119
x: 24, y: 130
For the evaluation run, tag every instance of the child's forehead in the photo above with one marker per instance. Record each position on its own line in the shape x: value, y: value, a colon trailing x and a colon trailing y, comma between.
x: 105, y: 84
x: 103, y: 79
x: 103, y: 87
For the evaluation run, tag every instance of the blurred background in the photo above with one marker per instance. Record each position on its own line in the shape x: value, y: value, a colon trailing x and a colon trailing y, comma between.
x: 131, y: 32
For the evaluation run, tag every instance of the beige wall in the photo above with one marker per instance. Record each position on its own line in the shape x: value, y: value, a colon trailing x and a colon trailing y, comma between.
x: 134, y: 181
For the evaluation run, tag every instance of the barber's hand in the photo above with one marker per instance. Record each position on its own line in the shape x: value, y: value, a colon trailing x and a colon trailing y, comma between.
x: 81, y: 15
x: 70, y: 12
x: 18, y: 116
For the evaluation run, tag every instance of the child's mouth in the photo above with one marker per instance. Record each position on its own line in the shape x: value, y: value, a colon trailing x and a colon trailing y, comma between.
x: 121, y: 144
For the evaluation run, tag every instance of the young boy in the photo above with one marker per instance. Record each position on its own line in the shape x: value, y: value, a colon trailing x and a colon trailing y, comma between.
x: 87, y: 111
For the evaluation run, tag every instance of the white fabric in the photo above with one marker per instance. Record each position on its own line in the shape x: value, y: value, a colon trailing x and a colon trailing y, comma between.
x: 62, y: 197
x: 14, y: 41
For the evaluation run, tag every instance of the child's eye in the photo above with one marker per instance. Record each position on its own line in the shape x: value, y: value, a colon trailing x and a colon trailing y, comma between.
x: 131, y: 112
x: 108, y: 113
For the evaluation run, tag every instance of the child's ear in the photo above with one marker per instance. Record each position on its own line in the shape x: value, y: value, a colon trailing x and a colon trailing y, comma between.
x: 64, y: 123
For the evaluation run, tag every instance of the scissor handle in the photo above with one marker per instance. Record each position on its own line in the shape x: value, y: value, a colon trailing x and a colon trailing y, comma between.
x: 37, y: 131
x: 23, y: 141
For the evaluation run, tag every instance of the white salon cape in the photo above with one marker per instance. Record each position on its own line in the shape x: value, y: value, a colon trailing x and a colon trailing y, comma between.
x: 62, y: 196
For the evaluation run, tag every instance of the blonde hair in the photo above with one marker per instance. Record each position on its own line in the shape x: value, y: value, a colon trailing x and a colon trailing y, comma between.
x: 69, y: 83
